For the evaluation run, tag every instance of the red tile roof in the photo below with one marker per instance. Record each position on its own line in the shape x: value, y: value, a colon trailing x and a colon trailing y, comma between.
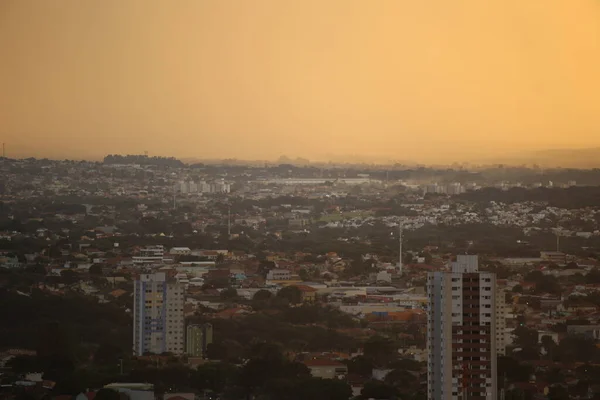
x: 117, y: 293
x: 304, y: 288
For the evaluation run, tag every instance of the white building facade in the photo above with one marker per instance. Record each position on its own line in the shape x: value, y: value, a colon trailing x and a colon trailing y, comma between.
x: 158, y: 319
x: 150, y: 255
x: 279, y: 275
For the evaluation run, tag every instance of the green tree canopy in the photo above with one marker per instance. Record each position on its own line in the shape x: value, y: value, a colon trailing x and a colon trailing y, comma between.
x: 291, y: 294
x: 380, y: 350
x: 379, y: 390
x: 262, y: 295
x: 107, y: 394
x: 229, y: 293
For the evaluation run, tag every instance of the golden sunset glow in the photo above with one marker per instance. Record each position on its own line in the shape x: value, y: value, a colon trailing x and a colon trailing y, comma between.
x: 428, y: 80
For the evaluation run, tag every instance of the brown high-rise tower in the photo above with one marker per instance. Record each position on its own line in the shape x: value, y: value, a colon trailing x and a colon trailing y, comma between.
x: 462, y: 332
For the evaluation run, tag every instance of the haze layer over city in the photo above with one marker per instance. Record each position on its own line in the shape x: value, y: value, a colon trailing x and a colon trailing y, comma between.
x: 299, y: 200
x: 385, y: 81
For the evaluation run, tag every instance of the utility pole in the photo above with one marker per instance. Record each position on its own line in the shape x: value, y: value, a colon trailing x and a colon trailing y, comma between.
x: 174, y: 194
x: 229, y: 221
x: 400, y: 249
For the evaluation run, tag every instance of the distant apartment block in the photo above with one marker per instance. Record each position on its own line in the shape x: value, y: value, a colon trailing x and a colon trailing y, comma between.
x: 190, y: 187
x: 150, y: 255
x: 180, y: 251
x: 158, y: 319
x: 450, y: 188
x: 279, y: 275
x: 198, y: 337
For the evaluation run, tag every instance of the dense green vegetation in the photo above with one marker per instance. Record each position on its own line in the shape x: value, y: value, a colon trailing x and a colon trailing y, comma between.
x: 80, y: 324
x: 85, y: 344
x: 570, y: 198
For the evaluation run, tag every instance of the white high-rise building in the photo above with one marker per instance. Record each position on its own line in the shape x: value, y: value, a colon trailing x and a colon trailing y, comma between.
x: 182, y: 187
x: 158, y: 322
x: 203, y: 187
x: 461, y: 330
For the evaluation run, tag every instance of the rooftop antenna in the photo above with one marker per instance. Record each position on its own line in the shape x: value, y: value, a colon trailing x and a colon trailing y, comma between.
x: 400, y: 249
x: 174, y: 200
x: 229, y: 221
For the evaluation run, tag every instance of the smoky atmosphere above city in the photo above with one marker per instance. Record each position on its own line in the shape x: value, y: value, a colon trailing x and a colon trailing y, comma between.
x: 300, y: 200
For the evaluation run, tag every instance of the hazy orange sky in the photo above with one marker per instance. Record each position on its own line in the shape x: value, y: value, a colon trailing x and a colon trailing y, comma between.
x: 428, y: 80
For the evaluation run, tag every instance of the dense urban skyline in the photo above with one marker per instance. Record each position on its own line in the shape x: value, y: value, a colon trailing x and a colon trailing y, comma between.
x: 290, y: 200
x: 424, y: 81
x: 297, y: 283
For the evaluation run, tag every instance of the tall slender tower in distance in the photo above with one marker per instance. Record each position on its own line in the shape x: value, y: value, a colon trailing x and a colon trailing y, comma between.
x: 400, y: 249
x: 461, y: 332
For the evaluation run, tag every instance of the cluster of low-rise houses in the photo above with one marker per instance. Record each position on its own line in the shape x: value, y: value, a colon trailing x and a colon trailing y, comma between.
x: 383, y: 298
x: 105, y: 256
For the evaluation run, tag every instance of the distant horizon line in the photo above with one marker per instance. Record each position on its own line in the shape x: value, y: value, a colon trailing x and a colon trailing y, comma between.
x: 302, y: 161
x: 565, y: 158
